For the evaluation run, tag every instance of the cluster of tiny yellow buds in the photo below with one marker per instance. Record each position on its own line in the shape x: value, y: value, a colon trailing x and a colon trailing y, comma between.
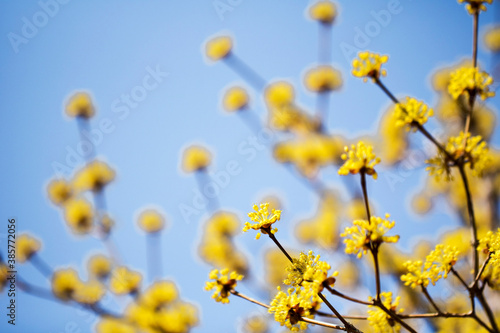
x: 411, y: 113
x: 379, y: 320
x: 437, y: 265
x: 94, y: 176
x: 467, y: 81
x: 235, y: 99
x: 279, y: 94
x: 64, y: 283
x: 159, y: 294
x: 263, y: 221
x: 80, y: 105
x: 309, y: 272
x: 89, y: 293
x: 368, y: 65
x: 79, y: 215
x: 195, y: 158
x: 59, y: 191
x: 99, y: 266
x: 290, y: 307
x: 151, y: 221
x: 363, y: 234
x: 359, y: 158
x: 124, y: 281
x: 323, y: 11
x: 490, y: 245
x: 223, y: 283
x: 322, y: 79
x: 475, y: 6
x: 26, y: 247
x: 218, y: 47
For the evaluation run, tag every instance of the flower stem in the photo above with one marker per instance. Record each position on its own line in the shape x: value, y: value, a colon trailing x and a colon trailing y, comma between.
x: 279, y: 246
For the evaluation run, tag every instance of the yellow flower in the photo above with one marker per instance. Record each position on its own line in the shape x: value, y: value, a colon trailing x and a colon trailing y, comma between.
x: 291, y: 118
x: 179, y: 318
x: 141, y: 316
x: 89, y: 293
x: 94, y: 176
x: 411, y: 113
x: 235, y: 99
x: 290, y: 307
x: 475, y: 154
x: 469, y: 80
x: 490, y: 245
x: 111, y: 325
x: 263, y: 221
x: 323, y: 78
x: 475, y: 6
x: 224, y: 282
x: 64, y: 283
x: 79, y: 215
x: 359, y: 158
x: 368, y: 65
x: 124, y: 281
x: 3, y: 276
x: 492, y: 39
x: 323, y: 11
x: 421, y: 203
x: 59, y: 191
x: 99, y: 266
x: 80, y: 105
x: 218, y: 47
x: 379, y: 320
x: 195, y: 158
x: 151, y: 221
x: 26, y: 246
x: 159, y: 294
x: 365, y: 235
x: 255, y: 324
x: 279, y: 94
x: 393, y: 140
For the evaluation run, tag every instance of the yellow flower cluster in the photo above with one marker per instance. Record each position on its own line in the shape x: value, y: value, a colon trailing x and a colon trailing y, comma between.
x: 359, y: 159
x: 94, y: 176
x: 195, y: 158
x: 475, y: 6
x: 363, y: 234
x: 218, y: 47
x: 256, y: 324
x: 368, y: 65
x: 124, y: 281
x: 412, y: 112
x: 224, y: 282
x: 466, y: 81
x: 379, y: 320
x: 393, y: 140
x: 80, y: 105
x: 309, y: 272
x: 217, y: 247
x: 110, y: 325
x: 323, y: 78
x: 3, y: 276
x: 263, y: 221
x: 323, y: 11
x: 492, y: 39
x: 151, y: 221
x: 437, y: 265
x: 26, y: 247
x: 490, y: 245
x: 159, y: 310
x: 309, y: 153
x: 66, y: 285
x: 235, y: 99
x: 290, y: 307
x: 99, y: 266
x: 474, y: 153
x: 59, y: 191
x: 79, y: 215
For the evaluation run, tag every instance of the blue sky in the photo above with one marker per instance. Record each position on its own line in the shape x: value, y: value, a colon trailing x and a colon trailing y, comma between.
x: 109, y: 47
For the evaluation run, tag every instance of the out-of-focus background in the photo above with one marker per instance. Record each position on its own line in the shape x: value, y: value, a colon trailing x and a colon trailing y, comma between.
x: 109, y: 48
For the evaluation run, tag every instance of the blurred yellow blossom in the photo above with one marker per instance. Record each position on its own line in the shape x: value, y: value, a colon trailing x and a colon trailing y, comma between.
x: 64, y: 283
x: 469, y: 80
x: 412, y: 112
x: 235, y: 99
x: 218, y: 47
x: 195, y: 158
x: 323, y: 78
x: 279, y: 94
x: 124, y: 281
x: 323, y: 11
x: 59, y: 191
x: 151, y: 221
x: 255, y: 324
x: 99, y: 266
x: 79, y: 215
x: 80, y: 105
x: 492, y: 39
x: 224, y: 282
x: 26, y: 246
x: 159, y: 294
x: 360, y: 158
x: 363, y: 234
x: 94, y: 176
x: 263, y: 221
x: 393, y: 140
x: 89, y: 293
x: 111, y: 325
x: 3, y: 275
x: 368, y: 65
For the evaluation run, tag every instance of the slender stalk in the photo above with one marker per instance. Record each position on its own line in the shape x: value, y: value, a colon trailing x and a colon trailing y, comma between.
x: 341, y: 295
x: 475, y: 25
x: 279, y: 246
x: 245, y: 71
x: 429, y: 298
x: 365, y: 195
x: 332, y: 308
x: 489, y: 312
x: 41, y: 265
x: 459, y: 277
x: 481, y: 270
x: 377, y: 272
x: 395, y: 316
x: 386, y: 91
